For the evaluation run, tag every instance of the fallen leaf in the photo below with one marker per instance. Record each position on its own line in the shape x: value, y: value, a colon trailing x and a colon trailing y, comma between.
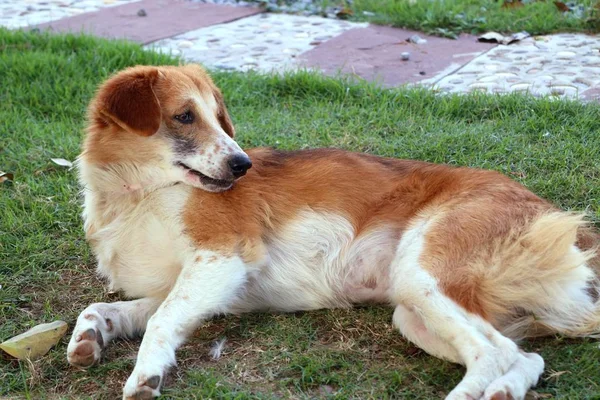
x: 515, y: 37
x: 6, y: 177
x: 62, y: 162
x: 512, y: 4
x: 491, y: 37
x: 36, y: 342
x: 344, y: 13
x: 495, y: 37
x: 562, y: 7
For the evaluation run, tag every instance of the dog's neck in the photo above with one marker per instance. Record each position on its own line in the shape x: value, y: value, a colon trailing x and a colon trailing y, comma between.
x: 112, y: 191
x: 123, y: 179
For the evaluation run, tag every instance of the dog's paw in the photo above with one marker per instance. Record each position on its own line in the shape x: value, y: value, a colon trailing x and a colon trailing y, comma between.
x: 141, y: 388
x: 500, y: 394
x: 456, y: 395
x: 90, y: 335
x: 85, y: 348
x: 521, y: 376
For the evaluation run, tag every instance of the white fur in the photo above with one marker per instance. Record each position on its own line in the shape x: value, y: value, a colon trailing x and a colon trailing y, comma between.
x: 317, y: 262
x: 204, y: 288
x: 137, y: 236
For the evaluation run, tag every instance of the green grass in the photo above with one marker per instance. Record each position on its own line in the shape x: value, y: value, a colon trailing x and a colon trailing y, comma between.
x: 450, y: 17
x: 46, y: 270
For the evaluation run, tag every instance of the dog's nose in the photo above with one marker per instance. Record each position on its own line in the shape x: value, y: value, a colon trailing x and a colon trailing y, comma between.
x: 239, y: 164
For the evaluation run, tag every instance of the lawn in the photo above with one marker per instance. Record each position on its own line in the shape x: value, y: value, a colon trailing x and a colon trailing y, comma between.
x: 47, y: 271
x: 450, y: 17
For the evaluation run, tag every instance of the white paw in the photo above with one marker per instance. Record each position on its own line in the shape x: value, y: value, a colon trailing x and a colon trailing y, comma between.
x: 88, y: 340
x: 142, y: 386
x: 501, y: 391
x: 461, y: 395
x: 521, y: 376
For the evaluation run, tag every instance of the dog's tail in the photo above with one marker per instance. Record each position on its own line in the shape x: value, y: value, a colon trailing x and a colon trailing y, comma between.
x: 545, y: 279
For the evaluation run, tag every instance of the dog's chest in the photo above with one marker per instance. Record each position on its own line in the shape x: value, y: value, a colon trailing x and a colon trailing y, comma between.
x: 139, y: 248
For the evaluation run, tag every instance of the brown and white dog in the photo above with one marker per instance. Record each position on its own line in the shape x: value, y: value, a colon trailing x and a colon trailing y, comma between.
x: 469, y: 259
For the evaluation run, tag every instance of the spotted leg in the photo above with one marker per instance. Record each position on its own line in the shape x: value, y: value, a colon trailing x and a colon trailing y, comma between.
x: 100, y: 323
x: 206, y: 286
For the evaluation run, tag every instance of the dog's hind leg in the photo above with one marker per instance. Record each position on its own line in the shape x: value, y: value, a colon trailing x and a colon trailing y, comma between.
x: 413, y: 328
x: 99, y: 323
x: 495, y: 366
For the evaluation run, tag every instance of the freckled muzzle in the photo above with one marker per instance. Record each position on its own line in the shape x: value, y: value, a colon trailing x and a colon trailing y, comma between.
x: 239, y: 164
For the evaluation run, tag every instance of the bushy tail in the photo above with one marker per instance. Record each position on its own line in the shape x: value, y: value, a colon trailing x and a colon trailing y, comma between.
x: 588, y: 239
x: 542, y: 279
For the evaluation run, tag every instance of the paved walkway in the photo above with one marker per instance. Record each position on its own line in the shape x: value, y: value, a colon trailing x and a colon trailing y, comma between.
x: 244, y: 38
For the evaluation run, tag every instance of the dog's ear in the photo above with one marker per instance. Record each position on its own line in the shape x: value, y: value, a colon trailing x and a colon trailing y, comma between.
x: 128, y: 100
x: 223, y: 115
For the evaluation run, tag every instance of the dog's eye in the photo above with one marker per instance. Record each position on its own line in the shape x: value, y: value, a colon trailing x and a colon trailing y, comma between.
x: 185, y: 118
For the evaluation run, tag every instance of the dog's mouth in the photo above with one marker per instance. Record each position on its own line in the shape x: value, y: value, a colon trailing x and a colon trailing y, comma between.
x: 206, y: 180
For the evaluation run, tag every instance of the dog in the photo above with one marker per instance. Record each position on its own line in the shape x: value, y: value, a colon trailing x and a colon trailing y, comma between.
x: 183, y: 220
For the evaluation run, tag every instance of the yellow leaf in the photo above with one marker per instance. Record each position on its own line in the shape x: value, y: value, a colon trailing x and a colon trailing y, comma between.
x: 36, y: 342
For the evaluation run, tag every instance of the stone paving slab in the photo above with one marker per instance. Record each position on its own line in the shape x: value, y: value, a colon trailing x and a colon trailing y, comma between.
x: 592, y: 94
x: 374, y: 53
x: 227, y: 37
x: 561, y: 65
x: 265, y: 42
x: 159, y: 19
x: 22, y: 13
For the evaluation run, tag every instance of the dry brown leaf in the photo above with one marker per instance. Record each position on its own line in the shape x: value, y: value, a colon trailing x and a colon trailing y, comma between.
x: 6, y: 176
x: 518, y: 174
x: 344, y: 13
x: 36, y: 342
x: 512, y: 4
x: 562, y: 7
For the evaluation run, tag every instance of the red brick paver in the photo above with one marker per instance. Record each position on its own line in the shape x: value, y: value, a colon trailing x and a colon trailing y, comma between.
x: 373, y: 53
x: 147, y: 21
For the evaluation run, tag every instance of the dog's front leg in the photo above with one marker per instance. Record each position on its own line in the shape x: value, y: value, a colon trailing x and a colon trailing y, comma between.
x: 207, y: 285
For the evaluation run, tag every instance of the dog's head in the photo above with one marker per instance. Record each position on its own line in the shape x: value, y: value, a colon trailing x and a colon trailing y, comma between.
x: 172, y: 117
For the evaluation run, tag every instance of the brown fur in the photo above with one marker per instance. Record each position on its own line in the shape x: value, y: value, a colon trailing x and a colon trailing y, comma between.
x: 491, y: 235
